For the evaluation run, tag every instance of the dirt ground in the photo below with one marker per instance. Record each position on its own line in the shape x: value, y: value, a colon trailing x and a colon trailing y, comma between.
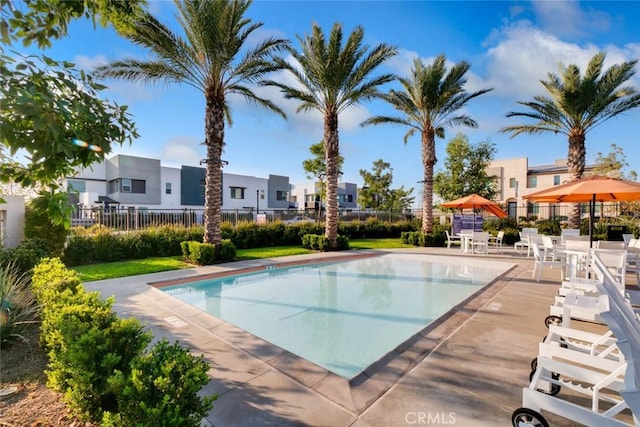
x: 22, y: 366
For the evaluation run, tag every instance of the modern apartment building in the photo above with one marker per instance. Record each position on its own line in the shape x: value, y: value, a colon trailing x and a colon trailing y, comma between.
x: 129, y: 181
x: 515, y: 178
x: 309, y: 196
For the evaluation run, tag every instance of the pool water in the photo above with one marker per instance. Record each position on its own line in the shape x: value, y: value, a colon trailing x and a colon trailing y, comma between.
x: 346, y: 315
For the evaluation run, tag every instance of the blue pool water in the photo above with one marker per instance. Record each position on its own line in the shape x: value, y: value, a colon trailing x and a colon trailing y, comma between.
x: 343, y: 316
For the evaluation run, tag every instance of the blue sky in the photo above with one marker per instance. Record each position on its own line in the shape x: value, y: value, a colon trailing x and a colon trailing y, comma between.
x: 511, y: 45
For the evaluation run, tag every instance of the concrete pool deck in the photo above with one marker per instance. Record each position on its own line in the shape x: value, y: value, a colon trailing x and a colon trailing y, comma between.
x: 467, y: 369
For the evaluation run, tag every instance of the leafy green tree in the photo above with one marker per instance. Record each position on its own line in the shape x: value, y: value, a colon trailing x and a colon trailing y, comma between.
x: 465, y: 170
x: 316, y: 168
x: 53, y: 119
x: 214, y: 58
x: 576, y: 104
x: 400, y: 199
x: 614, y: 164
x: 377, y: 192
x: 332, y: 77
x: 40, y: 21
x: 430, y: 101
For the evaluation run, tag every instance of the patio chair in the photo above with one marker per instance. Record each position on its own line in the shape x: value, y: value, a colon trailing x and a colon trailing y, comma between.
x: 496, y: 241
x: 613, y: 260
x: 626, y: 237
x: 581, y: 299
x: 541, y: 261
x: 550, y: 251
x: 480, y: 242
x: 452, y: 240
x: 625, y: 326
x: 524, y: 242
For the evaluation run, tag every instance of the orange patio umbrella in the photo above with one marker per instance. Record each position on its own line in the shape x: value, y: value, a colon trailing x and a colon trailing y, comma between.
x: 591, y: 189
x: 476, y: 202
x: 595, y: 188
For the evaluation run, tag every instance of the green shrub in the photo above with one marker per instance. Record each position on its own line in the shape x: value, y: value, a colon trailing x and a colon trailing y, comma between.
x: 202, y: 253
x: 50, y: 278
x: 108, y: 247
x: 511, y: 235
x: 162, y: 389
x: 18, y: 306
x: 25, y: 256
x: 87, y: 347
x: 549, y: 227
x: 79, y: 250
x: 38, y: 225
x: 318, y: 242
x: 227, y: 251
x: 184, y: 246
x: 92, y: 353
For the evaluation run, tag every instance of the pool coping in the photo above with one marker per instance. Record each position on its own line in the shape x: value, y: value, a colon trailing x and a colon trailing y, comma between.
x: 354, y: 395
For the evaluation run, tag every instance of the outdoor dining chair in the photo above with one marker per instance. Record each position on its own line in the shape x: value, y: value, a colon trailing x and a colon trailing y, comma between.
x: 452, y: 240
x: 496, y: 241
x: 541, y: 261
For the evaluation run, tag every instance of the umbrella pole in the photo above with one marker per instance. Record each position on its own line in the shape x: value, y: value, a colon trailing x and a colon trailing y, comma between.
x: 592, y: 208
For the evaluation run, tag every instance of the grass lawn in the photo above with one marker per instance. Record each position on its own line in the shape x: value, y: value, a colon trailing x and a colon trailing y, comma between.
x: 112, y: 270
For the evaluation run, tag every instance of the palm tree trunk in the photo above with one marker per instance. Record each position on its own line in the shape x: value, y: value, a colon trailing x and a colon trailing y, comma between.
x: 214, y: 127
x: 428, y: 162
x: 331, y: 153
x: 575, y: 165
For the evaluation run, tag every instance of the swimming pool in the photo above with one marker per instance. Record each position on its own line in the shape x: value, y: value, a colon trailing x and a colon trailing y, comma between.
x: 345, y: 315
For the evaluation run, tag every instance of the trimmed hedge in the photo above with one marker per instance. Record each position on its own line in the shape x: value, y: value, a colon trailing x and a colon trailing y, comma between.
x: 205, y: 253
x: 98, y: 244
x: 319, y: 242
x: 97, y: 360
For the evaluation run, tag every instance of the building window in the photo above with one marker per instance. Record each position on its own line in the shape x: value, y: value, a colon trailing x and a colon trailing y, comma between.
x: 237, y: 192
x: 533, y: 208
x: 261, y: 194
x: 76, y: 185
x: 282, y: 195
x: 556, y: 179
x: 512, y: 183
x: 350, y: 198
x: 126, y: 185
x: 533, y: 182
x: 167, y: 188
x: 114, y: 186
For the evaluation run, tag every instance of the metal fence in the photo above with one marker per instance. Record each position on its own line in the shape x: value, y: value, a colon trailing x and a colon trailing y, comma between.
x: 133, y: 218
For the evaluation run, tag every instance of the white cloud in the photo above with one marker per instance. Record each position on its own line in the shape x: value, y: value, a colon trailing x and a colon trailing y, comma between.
x: 568, y: 19
x: 523, y: 55
x: 181, y: 150
x: 88, y: 63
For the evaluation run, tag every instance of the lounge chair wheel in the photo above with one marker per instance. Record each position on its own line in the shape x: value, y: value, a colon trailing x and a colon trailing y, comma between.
x: 555, y: 388
x: 552, y: 320
x: 534, y: 364
x: 524, y: 417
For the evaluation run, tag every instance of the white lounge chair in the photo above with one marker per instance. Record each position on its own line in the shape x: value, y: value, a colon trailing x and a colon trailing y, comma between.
x: 625, y: 325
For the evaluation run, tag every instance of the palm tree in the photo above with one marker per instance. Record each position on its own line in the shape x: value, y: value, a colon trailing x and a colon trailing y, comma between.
x: 213, y: 59
x: 331, y: 78
x: 430, y: 102
x: 576, y: 104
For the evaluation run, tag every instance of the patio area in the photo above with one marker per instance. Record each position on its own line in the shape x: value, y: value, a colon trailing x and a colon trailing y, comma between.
x: 467, y: 369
